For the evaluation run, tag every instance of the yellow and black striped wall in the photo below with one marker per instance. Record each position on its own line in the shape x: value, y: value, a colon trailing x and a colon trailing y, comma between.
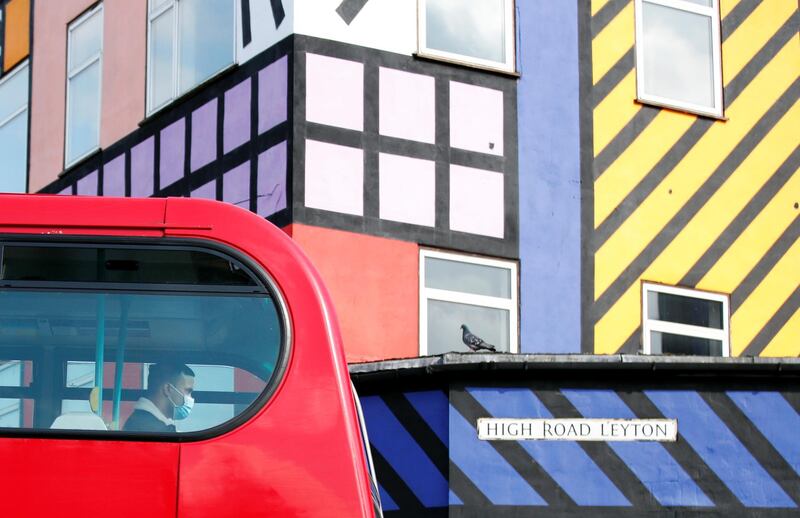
x: 691, y: 201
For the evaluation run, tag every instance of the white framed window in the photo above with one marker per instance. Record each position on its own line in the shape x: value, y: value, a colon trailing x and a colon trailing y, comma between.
x: 478, y: 32
x: 188, y: 42
x: 461, y: 290
x: 14, y: 129
x: 678, y: 54
x: 84, y: 85
x: 684, y: 321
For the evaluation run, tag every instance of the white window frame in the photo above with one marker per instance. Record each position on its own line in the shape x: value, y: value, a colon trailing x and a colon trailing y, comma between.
x: 649, y: 324
x: 152, y: 14
x: 96, y: 58
x: 425, y: 293
x: 716, y: 44
x: 509, y: 41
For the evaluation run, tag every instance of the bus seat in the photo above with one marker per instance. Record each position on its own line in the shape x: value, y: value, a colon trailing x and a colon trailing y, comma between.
x: 78, y: 421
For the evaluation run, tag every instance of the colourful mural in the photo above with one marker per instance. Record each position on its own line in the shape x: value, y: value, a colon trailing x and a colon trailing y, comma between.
x: 694, y: 201
x: 735, y: 453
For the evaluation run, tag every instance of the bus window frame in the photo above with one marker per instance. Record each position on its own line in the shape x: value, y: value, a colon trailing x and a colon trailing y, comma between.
x: 265, y: 281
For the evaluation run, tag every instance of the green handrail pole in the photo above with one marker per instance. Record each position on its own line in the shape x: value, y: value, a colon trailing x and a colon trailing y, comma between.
x: 100, y: 340
x: 122, y: 338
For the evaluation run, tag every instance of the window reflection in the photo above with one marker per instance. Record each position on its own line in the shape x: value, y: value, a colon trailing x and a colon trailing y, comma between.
x: 230, y: 334
x: 475, y: 29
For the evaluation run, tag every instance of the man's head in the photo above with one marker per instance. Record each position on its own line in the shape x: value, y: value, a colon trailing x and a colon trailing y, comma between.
x: 168, y: 385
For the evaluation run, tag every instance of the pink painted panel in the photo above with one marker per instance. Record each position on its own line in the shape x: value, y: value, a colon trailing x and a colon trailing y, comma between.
x: 122, y: 96
x: 407, y: 105
x: 334, y: 92
x: 476, y: 201
x: 407, y: 190
x: 334, y: 178
x: 124, y: 68
x: 476, y: 118
x: 48, y: 80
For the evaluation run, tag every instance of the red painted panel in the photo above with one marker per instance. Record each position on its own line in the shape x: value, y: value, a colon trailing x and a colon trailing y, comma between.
x: 88, y: 478
x: 374, y: 283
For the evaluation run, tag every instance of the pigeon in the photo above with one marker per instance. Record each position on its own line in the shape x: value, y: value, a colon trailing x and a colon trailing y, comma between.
x: 475, y: 343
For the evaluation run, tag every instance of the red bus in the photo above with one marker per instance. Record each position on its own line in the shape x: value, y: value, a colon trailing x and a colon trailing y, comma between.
x: 170, y: 357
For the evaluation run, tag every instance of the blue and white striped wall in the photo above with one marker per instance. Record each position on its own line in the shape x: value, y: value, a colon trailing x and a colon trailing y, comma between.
x: 737, y: 453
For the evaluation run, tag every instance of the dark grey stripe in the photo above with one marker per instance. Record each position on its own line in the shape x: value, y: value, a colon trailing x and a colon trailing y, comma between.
x: 607, y: 13
x: 278, y: 13
x: 633, y: 345
x: 787, y: 31
x: 775, y: 324
x: 742, y: 220
x: 516, y: 456
x: 622, y: 140
x: 739, y: 14
x: 465, y: 489
x: 612, y: 78
x: 419, y: 430
x: 247, y: 34
x: 679, y: 221
x: 694, y: 466
x: 765, y: 264
x: 349, y: 9
x: 793, y: 398
x: 603, y: 456
x: 755, y: 443
x: 402, y: 495
x: 587, y: 187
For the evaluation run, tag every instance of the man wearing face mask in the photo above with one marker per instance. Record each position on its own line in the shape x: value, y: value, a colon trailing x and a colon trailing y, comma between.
x: 168, y: 399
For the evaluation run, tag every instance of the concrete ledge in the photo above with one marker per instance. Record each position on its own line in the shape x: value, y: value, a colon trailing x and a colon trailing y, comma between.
x: 462, y: 362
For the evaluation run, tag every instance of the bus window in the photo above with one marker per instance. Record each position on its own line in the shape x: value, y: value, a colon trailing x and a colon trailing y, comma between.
x: 97, y: 321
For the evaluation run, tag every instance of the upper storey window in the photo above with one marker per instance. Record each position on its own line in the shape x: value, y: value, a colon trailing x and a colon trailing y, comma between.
x: 84, y: 74
x: 684, y: 321
x: 678, y: 54
x: 188, y: 42
x: 478, y: 32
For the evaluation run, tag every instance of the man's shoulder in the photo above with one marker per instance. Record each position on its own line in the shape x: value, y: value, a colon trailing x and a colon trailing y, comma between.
x: 143, y: 421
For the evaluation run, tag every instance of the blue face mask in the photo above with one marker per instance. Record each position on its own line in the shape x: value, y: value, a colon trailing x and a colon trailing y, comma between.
x: 181, y: 412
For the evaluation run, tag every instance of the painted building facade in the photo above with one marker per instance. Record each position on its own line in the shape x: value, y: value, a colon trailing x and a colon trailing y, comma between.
x: 538, y: 174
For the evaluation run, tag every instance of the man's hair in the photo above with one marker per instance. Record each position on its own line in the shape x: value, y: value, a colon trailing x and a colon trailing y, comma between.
x: 166, y: 372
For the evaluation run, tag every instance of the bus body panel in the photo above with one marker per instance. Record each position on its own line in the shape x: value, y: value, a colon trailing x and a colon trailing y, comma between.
x: 51, y: 477
x: 301, y: 454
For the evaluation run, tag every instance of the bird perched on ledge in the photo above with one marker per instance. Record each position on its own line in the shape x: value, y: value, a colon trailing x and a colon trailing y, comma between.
x: 475, y: 343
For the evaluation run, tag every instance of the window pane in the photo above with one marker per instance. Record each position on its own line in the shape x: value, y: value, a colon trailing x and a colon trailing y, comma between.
x: 85, y: 41
x: 231, y: 342
x: 206, y: 39
x: 13, y: 94
x: 14, y: 150
x: 467, y: 277
x: 445, y: 320
x: 668, y: 343
x: 83, y: 112
x: 160, y: 73
x: 475, y: 28
x: 678, y: 61
x: 706, y: 3
x: 684, y: 310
